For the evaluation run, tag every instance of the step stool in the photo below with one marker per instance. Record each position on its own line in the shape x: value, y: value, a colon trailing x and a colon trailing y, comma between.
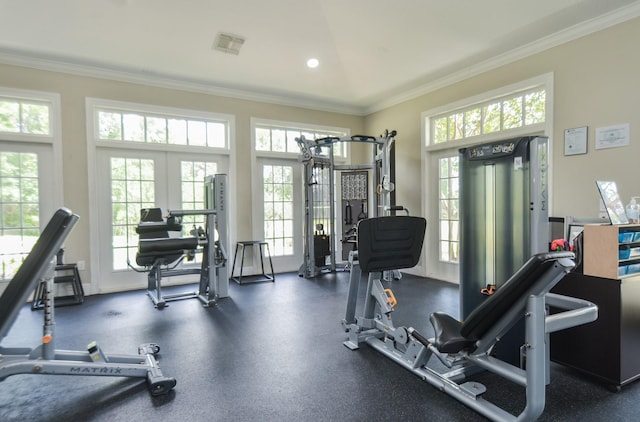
x: 69, y: 276
x: 254, y: 278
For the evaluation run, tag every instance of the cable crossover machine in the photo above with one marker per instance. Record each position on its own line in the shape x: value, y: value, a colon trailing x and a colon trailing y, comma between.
x: 323, y: 232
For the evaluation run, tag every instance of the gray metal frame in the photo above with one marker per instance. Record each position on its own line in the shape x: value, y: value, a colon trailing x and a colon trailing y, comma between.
x: 320, y: 151
x: 214, y: 278
x: 412, y: 351
x: 45, y: 358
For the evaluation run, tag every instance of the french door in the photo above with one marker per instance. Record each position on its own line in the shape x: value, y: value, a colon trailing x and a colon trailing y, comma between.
x: 135, y: 179
x: 279, y: 211
x: 443, y: 238
x: 26, y: 200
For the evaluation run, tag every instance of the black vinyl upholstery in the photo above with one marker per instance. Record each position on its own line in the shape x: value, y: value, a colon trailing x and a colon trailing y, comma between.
x: 453, y: 336
x: 390, y: 243
x: 34, y: 267
x: 155, y: 245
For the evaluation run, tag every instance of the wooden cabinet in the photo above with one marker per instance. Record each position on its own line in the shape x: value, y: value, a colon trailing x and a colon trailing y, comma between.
x: 608, y: 348
x: 611, y: 251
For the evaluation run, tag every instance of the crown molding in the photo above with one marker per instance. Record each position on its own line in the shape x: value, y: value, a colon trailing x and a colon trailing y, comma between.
x: 569, y: 34
x: 97, y: 70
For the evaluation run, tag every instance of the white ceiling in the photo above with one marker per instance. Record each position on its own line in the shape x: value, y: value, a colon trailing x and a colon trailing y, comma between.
x: 372, y: 52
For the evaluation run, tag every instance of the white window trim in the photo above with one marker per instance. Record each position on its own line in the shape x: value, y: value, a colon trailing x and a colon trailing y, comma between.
x: 543, y: 129
x: 54, y: 139
x: 91, y: 104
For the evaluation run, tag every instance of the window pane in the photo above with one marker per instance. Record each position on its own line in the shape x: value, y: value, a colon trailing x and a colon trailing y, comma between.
x: 216, y: 135
x: 177, y: 131
x: 444, y: 188
x: 444, y: 209
x: 473, y: 122
x: 444, y: 168
x: 534, y: 107
x: 512, y: 113
x: 197, y: 133
x: 157, y: 130
x: 278, y: 208
x: 132, y: 191
x: 19, y: 209
x: 491, y: 118
x: 453, y: 163
x: 263, y: 139
x: 35, y: 118
x: 133, y: 127
x: 278, y: 140
x: 440, y: 130
x: 292, y: 145
x: 9, y: 116
x: 458, y: 132
x: 109, y: 125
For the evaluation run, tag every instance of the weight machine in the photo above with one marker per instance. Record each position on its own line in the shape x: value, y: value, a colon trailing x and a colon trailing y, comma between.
x: 161, y: 253
x: 462, y: 348
x: 45, y: 358
x: 320, y: 223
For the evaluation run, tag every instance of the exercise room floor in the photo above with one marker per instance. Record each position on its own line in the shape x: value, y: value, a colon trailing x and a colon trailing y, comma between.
x: 269, y: 352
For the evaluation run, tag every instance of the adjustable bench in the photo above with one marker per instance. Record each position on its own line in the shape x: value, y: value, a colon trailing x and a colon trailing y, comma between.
x: 45, y: 358
x: 464, y: 348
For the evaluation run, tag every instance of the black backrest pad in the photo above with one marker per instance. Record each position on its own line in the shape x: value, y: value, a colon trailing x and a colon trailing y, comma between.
x: 34, y: 267
x: 390, y: 243
x: 494, y: 307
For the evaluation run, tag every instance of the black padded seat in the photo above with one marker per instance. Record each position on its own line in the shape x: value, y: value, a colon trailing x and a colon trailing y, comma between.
x: 155, y: 245
x: 166, y: 250
x: 452, y: 336
x: 448, y: 338
x: 390, y: 243
x: 147, y: 227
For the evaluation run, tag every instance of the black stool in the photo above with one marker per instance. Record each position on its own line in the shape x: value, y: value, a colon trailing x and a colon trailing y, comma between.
x: 255, y: 277
x: 70, y: 276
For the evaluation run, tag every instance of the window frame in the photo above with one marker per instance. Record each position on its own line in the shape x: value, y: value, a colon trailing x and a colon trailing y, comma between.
x: 96, y: 147
x: 431, y: 150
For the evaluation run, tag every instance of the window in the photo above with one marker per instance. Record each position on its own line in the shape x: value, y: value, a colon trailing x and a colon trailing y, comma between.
x: 132, y: 188
x: 128, y: 126
x: 24, y: 116
x: 524, y: 108
x: 513, y: 111
x: 449, y: 213
x: 30, y: 162
x: 279, y: 185
x: 283, y: 139
x: 156, y: 157
x: 19, y: 209
x: 278, y: 208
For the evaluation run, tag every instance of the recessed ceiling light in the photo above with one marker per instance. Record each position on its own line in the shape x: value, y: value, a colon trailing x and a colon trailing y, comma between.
x: 313, y: 63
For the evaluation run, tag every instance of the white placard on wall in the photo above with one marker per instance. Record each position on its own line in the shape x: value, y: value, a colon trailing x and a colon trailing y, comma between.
x: 612, y: 136
x: 575, y: 141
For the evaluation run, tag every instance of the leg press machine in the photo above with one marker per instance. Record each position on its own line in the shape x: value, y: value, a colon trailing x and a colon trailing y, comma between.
x: 463, y: 347
x: 45, y: 358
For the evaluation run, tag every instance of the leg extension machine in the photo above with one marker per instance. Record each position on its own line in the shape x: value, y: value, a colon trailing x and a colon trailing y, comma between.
x: 46, y: 359
x: 160, y: 255
x: 464, y: 348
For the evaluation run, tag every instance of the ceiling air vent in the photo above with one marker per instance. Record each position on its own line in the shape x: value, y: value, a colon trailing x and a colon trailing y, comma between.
x: 228, y: 43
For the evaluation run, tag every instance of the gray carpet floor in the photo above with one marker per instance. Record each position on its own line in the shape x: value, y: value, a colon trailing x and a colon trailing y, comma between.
x: 269, y: 352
